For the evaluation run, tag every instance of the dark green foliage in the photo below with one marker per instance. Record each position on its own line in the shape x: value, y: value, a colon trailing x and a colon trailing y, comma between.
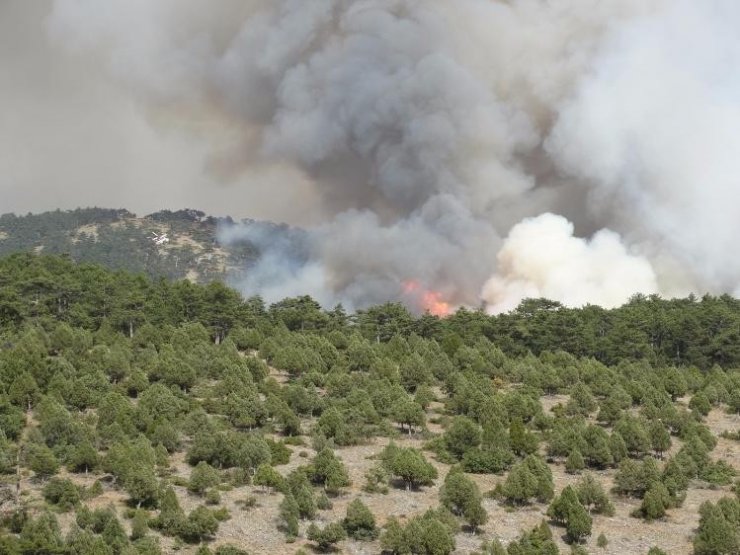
x: 326, y: 537
x: 494, y: 547
x: 120, y: 373
x: 12, y: 419
x: 487, y: 461
x: 323, y: 503
x: 719, y: 528
x: 592, y: 496
x: 229, y: 550
x: 203, y: 477
x: 279, y: 452
x: 408, y: 413
x: 581, y: 401
x: 429, y: 534
x: 268, y: 477
x: 83, y: 542
x: 360, y: 522
x: 409, y: 465
x: 298, y: 484
x: 42, y: 461
x: 656, y: 501
x: 114, y: 535
x: 562, y: 506
x: 462, y: 497
x: 538, y: 541
x: 289, y: 514
x: 171, y: 516
x: 83, y: 458
x: 8, y: 457
x: 634, y: 479
x: 200, y: 524
x: 660, y: 439
x: 634, y: 435
x: 228, y: 450
x: 528, y: 480
x: 377, y: 478
x: 62, y: 493
x: 139, y: 525
x: 329, y: 471
x: 574, y: 463
x: 578, y: 525
x: 568, y: 511
x: 700, y: 403
x: 521, y: 441
x: 719, y: 473
x: 463, y: 434
x: 41, y: 535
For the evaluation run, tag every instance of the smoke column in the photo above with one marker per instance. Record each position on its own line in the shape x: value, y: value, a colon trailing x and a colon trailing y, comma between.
x: 438, y: 139
x: 542, y: 258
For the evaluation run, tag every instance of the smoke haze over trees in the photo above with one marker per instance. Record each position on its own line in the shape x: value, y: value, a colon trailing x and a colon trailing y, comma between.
x: 455, y: 145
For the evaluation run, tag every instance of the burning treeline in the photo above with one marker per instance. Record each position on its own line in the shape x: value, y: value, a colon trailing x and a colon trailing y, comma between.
x: 490, y: 149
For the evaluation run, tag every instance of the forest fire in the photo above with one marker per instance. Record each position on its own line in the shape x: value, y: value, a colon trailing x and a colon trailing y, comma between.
x: 429, y: 300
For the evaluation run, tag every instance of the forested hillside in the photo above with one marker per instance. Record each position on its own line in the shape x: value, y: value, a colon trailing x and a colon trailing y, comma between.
x: 119, y: 240
x: 146, y: 416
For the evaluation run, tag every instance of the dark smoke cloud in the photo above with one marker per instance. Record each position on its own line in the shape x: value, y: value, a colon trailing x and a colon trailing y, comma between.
x: 415, y: 136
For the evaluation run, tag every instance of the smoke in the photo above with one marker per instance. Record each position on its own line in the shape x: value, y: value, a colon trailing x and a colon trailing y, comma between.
x: 542, y: 258
x: 415, y: 135
x: 654, y: 133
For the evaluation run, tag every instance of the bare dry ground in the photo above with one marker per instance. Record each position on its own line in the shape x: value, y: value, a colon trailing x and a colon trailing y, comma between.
x: 255, y: 529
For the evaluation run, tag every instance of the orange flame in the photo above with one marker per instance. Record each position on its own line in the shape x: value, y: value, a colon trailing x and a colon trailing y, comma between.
x: 431, y: 301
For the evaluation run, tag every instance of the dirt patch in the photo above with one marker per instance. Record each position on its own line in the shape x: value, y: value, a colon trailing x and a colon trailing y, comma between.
x: 91, y: 230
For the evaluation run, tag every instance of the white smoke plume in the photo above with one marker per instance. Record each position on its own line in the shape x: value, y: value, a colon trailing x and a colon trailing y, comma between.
x: 542, y: 258
x: 654, y: 132
x: 422, y: 132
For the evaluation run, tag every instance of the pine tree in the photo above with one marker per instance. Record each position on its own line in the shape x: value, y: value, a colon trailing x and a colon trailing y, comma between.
x: 411, y: 466
x: 360, y: 522
x: 41, y: 535
x: 300, y: 487
x: 289, y: 514
x: 656, y: 501
x: 114, y: 535
x: 561, y: 507
x: 579, y: 523
x: 574, y: 463
x: 268, y: 477
x: 42, y: 461
x: 393, y: 539
x: 139, y: 525
x: 325, y: 538
x: 660, y: 439
x: 461, y: 435
x: 171, y: 516
x: 200, y: 524
x: 593, y: 497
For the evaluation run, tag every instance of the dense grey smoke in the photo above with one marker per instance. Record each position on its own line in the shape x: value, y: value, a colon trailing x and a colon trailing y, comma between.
x: 420, y: 133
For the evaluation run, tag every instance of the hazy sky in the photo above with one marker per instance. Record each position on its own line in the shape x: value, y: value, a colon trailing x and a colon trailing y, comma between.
x: 489, y: 149
x: 70, y: 138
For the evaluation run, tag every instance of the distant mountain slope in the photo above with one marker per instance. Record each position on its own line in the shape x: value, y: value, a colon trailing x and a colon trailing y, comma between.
x: 118, y: 239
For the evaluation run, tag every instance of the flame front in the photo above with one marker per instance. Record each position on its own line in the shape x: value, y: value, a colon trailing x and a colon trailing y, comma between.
x: 429, y: 300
